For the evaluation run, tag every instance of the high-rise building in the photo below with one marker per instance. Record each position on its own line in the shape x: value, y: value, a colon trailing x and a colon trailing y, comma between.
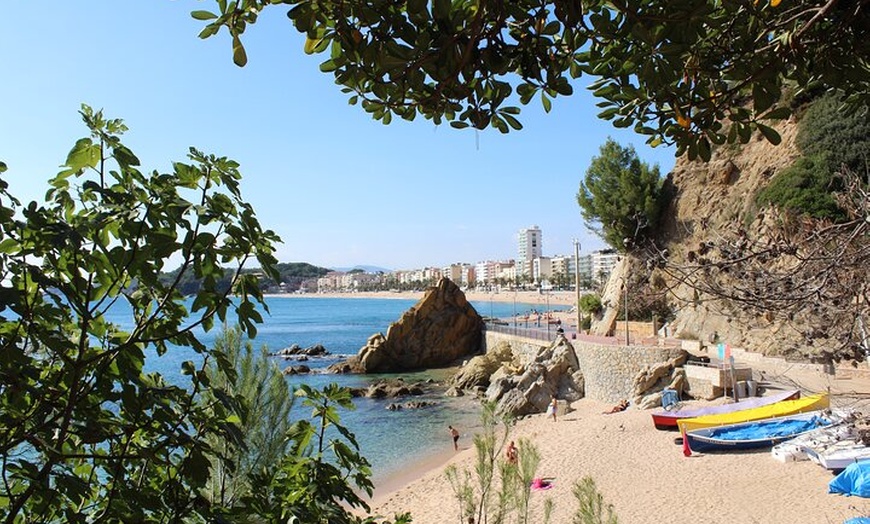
x: 529, y: 248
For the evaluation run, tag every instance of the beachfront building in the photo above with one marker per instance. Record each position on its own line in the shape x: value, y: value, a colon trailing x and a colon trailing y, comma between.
x: 603, y: 262
x: 431, y: 274
x: 353, y: 281
x: 529, y: 247
x: 330, y: 282
x: 484, y: 273
x: 453, y: 272
x: 506, y: 273
x: 585, y: 270
x: 562, y: 269
x: 468, y: 277
x: 542, y: 269
x: 490, y: 273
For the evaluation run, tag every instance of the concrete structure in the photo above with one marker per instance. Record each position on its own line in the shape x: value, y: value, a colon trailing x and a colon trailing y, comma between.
x: 608, y: 370
x: 529, y: 247
x: 603, y: 262
x: 542, y: 269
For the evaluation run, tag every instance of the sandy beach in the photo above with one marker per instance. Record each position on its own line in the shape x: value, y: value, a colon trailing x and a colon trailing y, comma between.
x: 556, y: 299
x: 643, y: 474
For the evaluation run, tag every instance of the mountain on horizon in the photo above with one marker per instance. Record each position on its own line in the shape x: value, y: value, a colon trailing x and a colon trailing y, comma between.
x: 367, y: 269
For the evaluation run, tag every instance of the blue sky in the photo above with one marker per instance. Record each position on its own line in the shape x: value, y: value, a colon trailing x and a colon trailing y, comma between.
x: 338, y: 187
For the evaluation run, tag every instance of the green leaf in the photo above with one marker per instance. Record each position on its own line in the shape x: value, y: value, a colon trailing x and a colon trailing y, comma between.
x: 84, y: 154
x: 770, y: 134
x: 545, y: 101
x: 780, y: 113
x: 240, y: 58
x: 203, y: 15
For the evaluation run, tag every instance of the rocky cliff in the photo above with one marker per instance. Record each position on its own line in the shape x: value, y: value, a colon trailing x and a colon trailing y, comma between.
x: 706, y: 202
x: 439, y: 330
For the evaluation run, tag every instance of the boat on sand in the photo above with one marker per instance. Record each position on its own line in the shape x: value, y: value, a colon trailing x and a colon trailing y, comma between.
x: 777, y: 409
x: 755, y: 434
x: 796, y: 449
x: 838, y: 455
x: 667, y: 419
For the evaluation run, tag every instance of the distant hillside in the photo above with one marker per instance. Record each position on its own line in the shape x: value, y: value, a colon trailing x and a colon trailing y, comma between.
x: 293, y: 275
x: 364, y: 268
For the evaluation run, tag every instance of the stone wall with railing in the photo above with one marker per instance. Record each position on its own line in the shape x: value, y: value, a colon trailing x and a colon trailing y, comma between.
x: 609, y: 369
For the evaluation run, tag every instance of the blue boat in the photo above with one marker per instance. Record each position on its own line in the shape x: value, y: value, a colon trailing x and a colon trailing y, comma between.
x: 763, y: 433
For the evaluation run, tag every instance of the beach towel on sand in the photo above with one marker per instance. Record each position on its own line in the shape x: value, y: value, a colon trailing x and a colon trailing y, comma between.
x: 854, y: 480
x: 540, y: 484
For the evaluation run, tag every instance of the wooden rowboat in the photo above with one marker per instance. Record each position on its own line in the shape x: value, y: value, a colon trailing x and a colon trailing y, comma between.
x: 667, y: 419
x: 778, y: 409
x: 755, y: 434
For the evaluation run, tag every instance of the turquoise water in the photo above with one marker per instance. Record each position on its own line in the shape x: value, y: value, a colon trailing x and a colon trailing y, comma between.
x: 388, y: 439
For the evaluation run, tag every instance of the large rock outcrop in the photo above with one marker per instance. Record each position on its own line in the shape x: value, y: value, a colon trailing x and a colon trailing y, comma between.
x: 524, y: 390
x: 437, y: 331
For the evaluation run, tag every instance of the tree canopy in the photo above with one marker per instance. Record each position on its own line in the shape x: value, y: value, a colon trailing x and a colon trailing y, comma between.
x: 622, y: 195
x: 87, y: 432
x: 686, y: 72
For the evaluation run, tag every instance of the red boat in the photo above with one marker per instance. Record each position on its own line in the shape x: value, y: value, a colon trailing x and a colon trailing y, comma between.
x: 667, y: 419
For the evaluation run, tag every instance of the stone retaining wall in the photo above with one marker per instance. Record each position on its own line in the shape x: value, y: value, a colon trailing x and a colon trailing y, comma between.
x: 609, y: 370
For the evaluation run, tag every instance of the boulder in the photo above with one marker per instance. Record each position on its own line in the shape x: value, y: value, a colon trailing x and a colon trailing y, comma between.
x: 437, y: 331
x: 478, y: 370
x: 651, y: 377
x: 554, y: 370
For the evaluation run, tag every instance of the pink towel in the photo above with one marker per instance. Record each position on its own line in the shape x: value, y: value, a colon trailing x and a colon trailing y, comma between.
x: 539, y: 484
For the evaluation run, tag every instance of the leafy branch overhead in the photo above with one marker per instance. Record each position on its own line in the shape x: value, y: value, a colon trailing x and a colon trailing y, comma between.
x: 685, y: 72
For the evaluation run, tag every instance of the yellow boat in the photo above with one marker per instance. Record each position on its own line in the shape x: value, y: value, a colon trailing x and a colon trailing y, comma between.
x: 778, y: 409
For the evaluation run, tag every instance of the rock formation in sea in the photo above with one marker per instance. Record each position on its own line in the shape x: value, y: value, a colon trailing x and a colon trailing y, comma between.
x: 439, y: 330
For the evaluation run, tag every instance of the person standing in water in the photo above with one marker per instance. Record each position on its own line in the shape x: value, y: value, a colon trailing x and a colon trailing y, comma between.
x: 455, y: 434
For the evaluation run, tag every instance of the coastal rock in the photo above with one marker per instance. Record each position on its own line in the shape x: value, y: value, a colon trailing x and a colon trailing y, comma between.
x: 317, y: 350
x: 437, y: 331
x: 389, y: 389
x: 417, y: 404
x: 297, y: 370
x: 554, y: 370
x: 650, y: 377
x: 478, y: 370
x: 651, y: 380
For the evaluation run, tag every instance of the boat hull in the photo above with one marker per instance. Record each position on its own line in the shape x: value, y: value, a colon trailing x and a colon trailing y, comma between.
x: 667, y: 420
x: 756, y: 434
x: 778, y: 409
x: 837, y: 456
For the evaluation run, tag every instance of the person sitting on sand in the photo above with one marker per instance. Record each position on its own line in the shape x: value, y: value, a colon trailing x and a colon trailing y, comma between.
x: 511, y: 453
x: 622, y: 406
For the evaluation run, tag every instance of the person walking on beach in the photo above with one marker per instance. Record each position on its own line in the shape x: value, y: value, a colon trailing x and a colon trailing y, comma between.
x: 551, y: 409
x: 511, y: 453
x: 455, y: 434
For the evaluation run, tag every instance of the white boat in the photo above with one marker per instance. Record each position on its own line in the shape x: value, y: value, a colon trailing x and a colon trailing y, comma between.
x: 795, y: 449
x: 839, y: 455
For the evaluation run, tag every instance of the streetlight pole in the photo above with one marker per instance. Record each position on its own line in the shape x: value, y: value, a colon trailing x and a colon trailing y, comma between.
x: 548, y: 314
x: 577, y: 281
x: 625, y: 299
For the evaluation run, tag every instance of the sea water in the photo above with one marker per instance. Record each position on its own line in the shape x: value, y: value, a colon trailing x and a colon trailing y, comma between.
x: 390, y: 440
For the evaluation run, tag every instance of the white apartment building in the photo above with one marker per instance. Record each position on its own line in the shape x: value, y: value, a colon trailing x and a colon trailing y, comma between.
x: 530, y: 247
x: 563, y: 265
x: 542, y: 269
x: 603, y: 262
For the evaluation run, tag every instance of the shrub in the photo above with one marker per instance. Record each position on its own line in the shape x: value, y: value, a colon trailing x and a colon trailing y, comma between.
x: 806, y: 188
x: 843, y: 138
